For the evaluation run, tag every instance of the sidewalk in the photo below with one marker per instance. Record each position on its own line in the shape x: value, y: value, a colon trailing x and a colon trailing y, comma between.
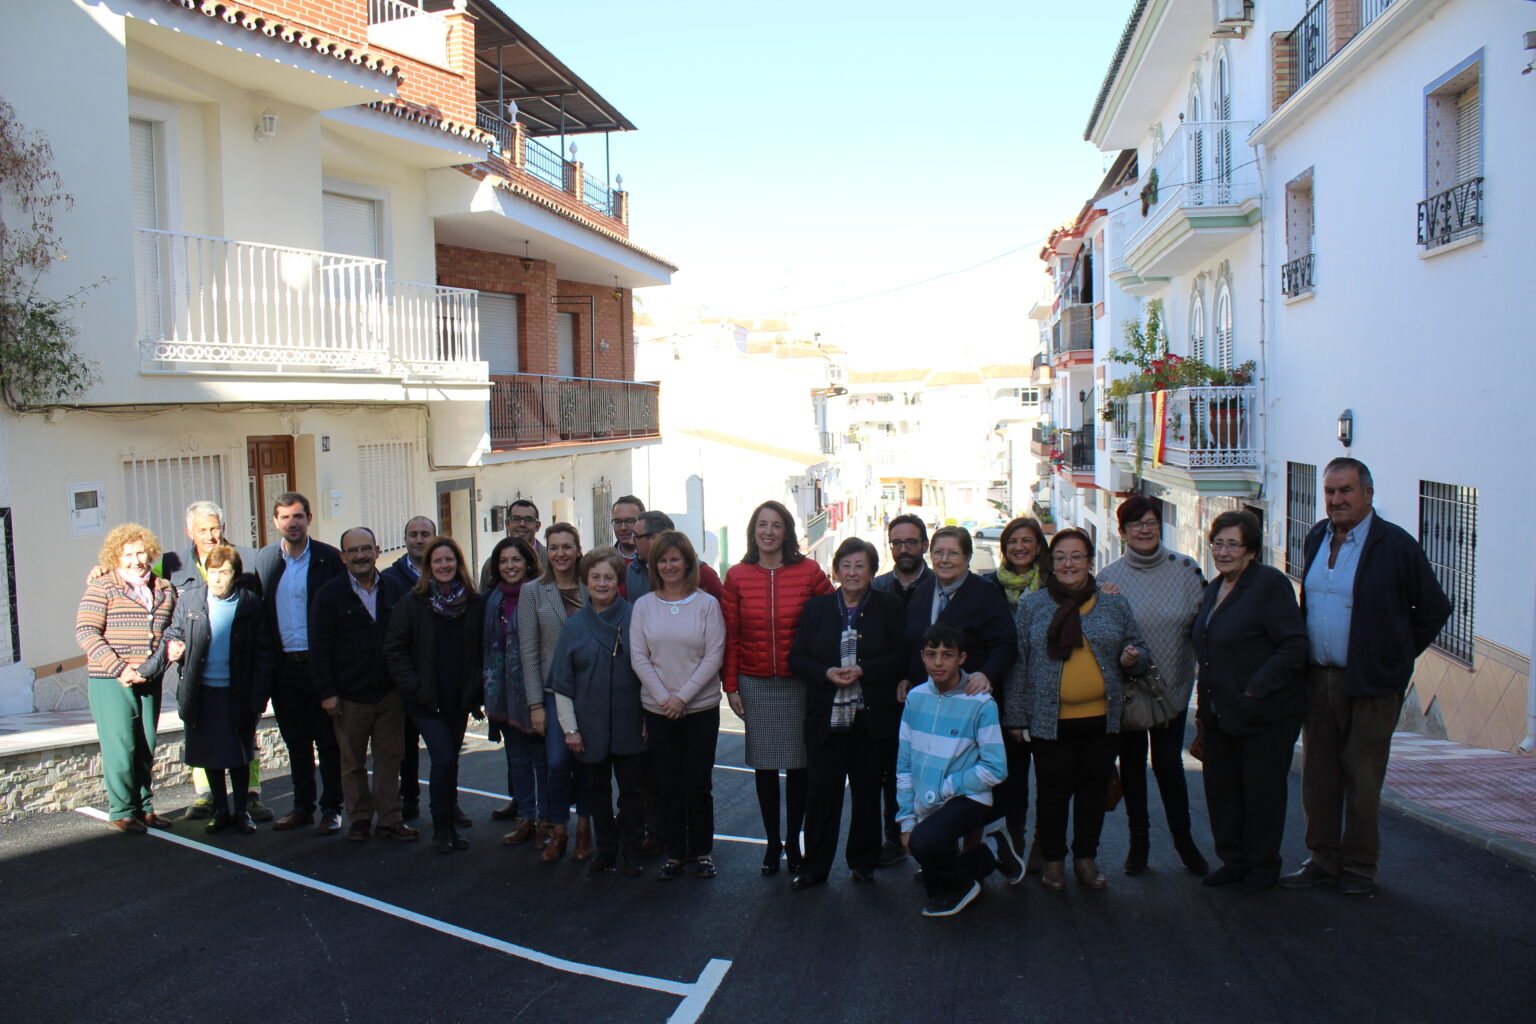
x: 1485, y: 797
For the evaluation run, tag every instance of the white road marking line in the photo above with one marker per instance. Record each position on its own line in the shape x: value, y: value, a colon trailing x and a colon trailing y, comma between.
x: 503, y: 796
x: 696, y: 995
x: 733, y: 768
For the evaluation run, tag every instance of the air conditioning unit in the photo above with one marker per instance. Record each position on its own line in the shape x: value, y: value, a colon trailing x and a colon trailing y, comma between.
x: 1233, y: 19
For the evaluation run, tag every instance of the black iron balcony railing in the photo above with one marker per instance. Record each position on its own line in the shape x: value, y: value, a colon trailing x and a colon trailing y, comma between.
x: 1296, y: 276
x: 1309, y: 44
x: 1077, y: 448
x: 1455, y: 213
x: 530, y: 409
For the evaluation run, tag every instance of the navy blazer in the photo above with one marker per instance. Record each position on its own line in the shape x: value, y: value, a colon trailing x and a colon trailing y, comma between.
x: 882, y: 655
x: 982, y: 614
x: 1251, y: 653
x: 1399, y: 608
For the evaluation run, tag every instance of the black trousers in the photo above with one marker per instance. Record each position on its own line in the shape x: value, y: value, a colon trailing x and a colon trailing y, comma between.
x: 626, y: 831
x: 1074, y: 768
x: 1010, y: 797
x: 410, y: 763
x: 935, y: 841
x: 307, y: 730
x: 1167, y: 746
x: 1247, y: 781
x: 859, y: 758
x: 682, y: 756
x: 444, y: 734
x: 888, y: 799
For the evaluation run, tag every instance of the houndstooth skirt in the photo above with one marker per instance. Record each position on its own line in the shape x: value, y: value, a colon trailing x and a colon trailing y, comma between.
x: 775, y: 715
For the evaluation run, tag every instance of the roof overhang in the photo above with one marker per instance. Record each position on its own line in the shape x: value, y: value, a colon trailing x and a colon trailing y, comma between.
x: 411, y: 142
x: 1150, y: 64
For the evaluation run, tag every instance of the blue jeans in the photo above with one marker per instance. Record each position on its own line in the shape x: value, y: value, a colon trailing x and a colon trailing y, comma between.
x: 527, y: 771
x: 567, y: 776
x: 445, y: 739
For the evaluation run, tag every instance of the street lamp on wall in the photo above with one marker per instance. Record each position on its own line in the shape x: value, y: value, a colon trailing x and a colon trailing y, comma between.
x: 1347, y: 428
x: 266, y: 125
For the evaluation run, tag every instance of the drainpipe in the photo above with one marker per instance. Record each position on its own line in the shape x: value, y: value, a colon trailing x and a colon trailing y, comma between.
x: 1528, y: 745
x: 1266, y: 314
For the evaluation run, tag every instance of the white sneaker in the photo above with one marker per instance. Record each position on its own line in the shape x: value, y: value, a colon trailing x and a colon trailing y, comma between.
x: 948, y: 904
x: 1008, y: 860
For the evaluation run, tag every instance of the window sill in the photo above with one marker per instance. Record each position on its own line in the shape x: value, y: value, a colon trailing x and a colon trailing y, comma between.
x: 1460, y: 243
x: 1291, y: 300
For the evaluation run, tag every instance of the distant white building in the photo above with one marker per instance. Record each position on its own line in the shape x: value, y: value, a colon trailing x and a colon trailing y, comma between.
x: 1332, y: 191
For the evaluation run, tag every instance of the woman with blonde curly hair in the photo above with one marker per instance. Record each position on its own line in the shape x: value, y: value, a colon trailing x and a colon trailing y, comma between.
x: 120, y: 625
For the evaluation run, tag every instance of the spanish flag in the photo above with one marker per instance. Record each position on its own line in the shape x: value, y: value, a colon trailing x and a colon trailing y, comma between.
x: 1159, y: 402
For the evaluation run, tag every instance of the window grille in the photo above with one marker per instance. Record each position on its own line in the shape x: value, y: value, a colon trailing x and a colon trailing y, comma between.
x: 602, y: 514
x: 1448, y: 532
x: 158, y: 491
x: 1300, y: 514
x: 388, y: 477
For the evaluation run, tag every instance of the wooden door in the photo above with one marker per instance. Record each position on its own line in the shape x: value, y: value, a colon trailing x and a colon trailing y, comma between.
x: 269, y: 468
x: 445, y: 513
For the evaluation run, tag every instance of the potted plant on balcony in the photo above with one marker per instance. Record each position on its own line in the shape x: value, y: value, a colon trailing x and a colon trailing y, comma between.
x: 1149, y: 192
x: 1224, y: 409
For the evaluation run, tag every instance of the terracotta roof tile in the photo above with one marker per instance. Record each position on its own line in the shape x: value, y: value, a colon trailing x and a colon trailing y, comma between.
x: 298, y: 35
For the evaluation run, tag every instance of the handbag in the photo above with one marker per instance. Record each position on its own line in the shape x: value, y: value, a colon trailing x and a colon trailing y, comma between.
x: 1146, y: 703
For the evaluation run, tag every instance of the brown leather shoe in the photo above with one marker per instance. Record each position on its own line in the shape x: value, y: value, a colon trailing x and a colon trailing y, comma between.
x: 358, y: 831
x: 583, y: 849
x: 293, y: 820
x: 1088, y: 873
x: 399, y: 830
x: 154, y: 820
x: 542, y: 831
x: 523, y: 830
x: 132, y: 826
x: 1053, y: 875
x: 556, y: 848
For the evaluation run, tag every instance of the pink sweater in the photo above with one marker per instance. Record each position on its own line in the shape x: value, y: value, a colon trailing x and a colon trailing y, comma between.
x: 678, y: 655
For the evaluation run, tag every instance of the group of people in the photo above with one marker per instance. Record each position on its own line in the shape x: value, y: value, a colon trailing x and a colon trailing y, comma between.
x: 927, y: 693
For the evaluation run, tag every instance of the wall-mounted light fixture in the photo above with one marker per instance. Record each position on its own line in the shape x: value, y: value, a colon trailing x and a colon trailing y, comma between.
x: 266, y: 126
x: 618, y: 293
x: 1347, y: 428
x: 527, y: 260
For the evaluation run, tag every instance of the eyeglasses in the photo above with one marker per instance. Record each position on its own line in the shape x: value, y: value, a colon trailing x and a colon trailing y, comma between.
x: 1076, y: 558
x: 1228, y: 545
x: 1144, y: 524
x: 523, y: 520
x: 915, y: 542
x: 625, y: 522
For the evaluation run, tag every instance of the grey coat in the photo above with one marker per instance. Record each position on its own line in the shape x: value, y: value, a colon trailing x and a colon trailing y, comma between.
x: 1034, y: 686
x: 591, y: 666
x: 540, y: 617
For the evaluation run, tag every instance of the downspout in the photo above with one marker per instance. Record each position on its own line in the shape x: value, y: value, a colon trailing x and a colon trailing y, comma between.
x: 1528, y: 745
x: 1266, y: 311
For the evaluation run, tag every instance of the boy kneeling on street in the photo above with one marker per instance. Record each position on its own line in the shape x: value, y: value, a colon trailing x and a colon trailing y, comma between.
x: 950, y: 757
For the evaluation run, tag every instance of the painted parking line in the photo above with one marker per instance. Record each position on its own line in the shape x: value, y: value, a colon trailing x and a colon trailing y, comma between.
x: 696, y: 995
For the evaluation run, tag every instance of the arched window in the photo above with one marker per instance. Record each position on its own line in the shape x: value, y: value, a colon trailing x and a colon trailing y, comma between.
x: 1221, y: 110
x: 1197, y: 326
x: 1223, y: 326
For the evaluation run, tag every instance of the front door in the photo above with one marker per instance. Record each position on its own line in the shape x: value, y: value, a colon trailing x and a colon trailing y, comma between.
x: 269, y: 468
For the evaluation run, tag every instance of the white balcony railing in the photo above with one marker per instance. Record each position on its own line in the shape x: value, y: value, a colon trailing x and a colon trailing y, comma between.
x: 213, y: 303
x: 408, y: 28
x: 1204, y: 164
x: 1202, y: 428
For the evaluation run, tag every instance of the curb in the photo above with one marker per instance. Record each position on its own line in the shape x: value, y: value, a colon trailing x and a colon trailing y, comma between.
x: 1518, y: 853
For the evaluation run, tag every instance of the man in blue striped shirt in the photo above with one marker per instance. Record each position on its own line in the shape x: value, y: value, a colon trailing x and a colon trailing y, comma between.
x: 950, y: 755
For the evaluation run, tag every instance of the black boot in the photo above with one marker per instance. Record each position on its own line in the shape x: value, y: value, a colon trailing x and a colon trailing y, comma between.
x: 1190, y: 854
x: 1136, y: 858
x: 443, y: 836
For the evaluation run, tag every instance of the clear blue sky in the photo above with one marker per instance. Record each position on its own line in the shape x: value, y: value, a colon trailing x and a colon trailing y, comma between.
x: 795, y: 154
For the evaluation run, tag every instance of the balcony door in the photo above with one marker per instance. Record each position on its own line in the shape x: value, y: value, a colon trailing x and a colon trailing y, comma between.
x: 565, y: 349
x: 269, y: 472
x: 145, y: 207
x: 1223, y: 112
x: 499, y: 342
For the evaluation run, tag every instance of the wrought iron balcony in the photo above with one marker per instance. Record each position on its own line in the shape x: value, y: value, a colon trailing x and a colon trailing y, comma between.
x: 815, y: 527
x: 1309, y: 44
x: 829, y: 443
x: 529, y: 410
x: 213, y: 304
x: 1201, y: 428
x: 1072, y: 335
x: 1296, y: 276
x: 1077, y: 449
x: 1453, y: 214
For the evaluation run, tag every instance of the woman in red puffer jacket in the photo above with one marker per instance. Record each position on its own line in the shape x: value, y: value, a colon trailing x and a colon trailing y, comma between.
x: 764, y: 593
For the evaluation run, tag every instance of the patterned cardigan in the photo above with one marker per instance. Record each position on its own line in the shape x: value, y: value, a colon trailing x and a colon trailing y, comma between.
x: 1033, y: 693
x: 117, y: 632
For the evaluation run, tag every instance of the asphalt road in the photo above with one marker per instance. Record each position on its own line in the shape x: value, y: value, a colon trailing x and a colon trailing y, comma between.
x: 106, y: 927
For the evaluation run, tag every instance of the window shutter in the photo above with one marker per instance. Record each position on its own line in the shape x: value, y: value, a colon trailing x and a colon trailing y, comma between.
x: 1468, y: 136
x: 498, y: 332
x: 144, y: 174
x: 351, y: 225
x: 386, y: 478
x: 566, y: 337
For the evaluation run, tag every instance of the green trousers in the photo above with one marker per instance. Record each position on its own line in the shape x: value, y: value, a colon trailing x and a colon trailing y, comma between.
x: 126, y: 717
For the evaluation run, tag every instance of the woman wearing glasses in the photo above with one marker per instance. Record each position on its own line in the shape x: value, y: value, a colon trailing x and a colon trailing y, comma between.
x: 1165, y: 589
x: 1076, y: 643
x: 1251, y: 640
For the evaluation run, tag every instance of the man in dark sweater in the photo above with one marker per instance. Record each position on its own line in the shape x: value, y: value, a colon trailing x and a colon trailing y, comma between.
x: 1373, y: 605
x: 347, y: 622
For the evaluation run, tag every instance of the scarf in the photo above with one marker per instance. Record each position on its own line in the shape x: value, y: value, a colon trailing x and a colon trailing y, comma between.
x: 139, y: 586
x: 1015, y: 584
x: 504, y: 697
x: 449, y: 602
x: 1065, y: 633
x: 847, y: 701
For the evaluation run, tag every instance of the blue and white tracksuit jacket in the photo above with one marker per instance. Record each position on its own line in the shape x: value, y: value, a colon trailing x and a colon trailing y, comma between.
x: 951, y: 745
